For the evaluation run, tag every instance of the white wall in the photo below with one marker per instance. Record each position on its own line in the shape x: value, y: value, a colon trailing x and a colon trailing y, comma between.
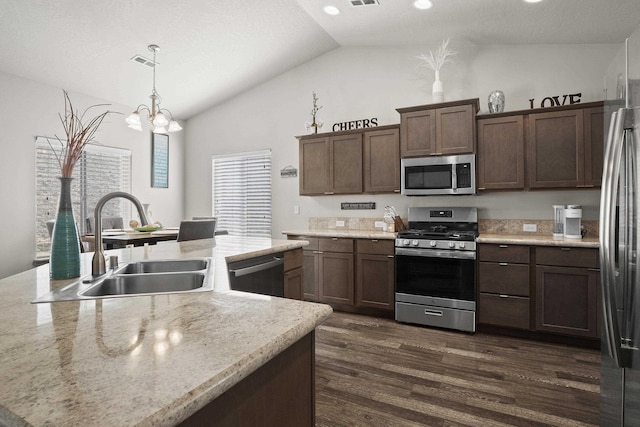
x: 357, y: 83
x: 28, y: 109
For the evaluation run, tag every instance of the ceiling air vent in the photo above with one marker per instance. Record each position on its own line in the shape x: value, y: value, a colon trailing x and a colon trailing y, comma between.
x: 142, y: 60
x: 364, y: 3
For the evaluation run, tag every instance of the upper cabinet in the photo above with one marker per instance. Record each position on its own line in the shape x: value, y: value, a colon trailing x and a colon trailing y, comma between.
x: 350, y: 162
x: 559, y: 147
x: 438, y: 129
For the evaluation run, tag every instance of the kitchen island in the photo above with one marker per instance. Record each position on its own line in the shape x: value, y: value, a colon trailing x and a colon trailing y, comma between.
x: 152, y: 360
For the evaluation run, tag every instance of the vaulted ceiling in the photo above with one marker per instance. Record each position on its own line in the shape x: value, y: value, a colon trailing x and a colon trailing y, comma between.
x: 211, y: 50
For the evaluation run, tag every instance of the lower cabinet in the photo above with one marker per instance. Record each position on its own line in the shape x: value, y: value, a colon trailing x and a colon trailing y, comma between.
x: 567, y: 291
x: 293, y: 274
x: 541, y: 288
x: 349, y: 272
x: 375, y: 274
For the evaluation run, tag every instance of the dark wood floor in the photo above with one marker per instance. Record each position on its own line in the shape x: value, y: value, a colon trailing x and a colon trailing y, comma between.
x: 377, y: 372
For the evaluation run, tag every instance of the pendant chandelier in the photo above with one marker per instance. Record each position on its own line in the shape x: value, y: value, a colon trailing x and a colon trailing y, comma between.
x: 157, y: 115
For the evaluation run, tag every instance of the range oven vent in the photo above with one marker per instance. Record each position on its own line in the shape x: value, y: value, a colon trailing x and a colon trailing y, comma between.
x: 357, y: 3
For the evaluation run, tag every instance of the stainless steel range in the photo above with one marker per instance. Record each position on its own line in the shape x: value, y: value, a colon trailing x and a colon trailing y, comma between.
x: 436, y: 268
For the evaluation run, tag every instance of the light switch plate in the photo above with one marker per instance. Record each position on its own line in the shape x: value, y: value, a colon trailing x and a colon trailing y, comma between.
x: 530, y: 227
x: 296, y: 210
x: 339, y: 223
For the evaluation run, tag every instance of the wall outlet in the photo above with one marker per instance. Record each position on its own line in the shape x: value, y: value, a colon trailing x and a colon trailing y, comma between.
x: 530, y: 227
x: 296, y: 210
x: 339, y: 223
x: 380, y: 224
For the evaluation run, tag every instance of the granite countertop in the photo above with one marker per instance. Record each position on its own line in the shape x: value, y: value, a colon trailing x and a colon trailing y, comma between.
x: 144, y: 360
x: 353, y: 234
x: 538, y: 240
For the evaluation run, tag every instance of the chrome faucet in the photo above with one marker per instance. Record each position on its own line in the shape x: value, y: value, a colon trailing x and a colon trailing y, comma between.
x: 98, y: 264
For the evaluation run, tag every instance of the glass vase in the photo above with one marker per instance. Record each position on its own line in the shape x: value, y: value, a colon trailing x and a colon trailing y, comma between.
x: 64, y: 260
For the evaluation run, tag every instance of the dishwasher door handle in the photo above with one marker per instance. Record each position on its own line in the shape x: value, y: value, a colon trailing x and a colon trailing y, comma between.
x: 259, y: 267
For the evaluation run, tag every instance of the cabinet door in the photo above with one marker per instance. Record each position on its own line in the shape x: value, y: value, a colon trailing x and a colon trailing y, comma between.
x: 593, y: 146
x: 455, y: 129
x: 501, y: 153
x: 375, y: 281
x: 504, y: 310
x: 310, y: 275
x: 567, y: 300
x: 555, y: 147
x: 293, y: 283
x: 336, y: 278
x: 314, y: 166
x: 418, y: 133
x: 346, y: 164
x: 382, y: 161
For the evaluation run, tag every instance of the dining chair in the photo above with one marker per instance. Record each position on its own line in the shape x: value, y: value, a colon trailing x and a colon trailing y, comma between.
x: 108, y: 223
x: 196, y: 229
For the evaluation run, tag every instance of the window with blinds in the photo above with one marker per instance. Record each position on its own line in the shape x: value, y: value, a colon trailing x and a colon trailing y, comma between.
x: 100, y: 170
x: 242, y: 193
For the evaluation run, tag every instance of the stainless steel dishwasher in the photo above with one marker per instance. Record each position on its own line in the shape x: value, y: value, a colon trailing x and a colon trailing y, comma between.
x: 260, y: 275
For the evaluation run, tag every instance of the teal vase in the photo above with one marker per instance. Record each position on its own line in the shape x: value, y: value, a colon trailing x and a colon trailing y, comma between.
x: 64, y: 261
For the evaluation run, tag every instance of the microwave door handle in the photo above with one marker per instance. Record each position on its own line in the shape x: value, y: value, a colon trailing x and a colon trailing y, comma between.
x: 454, y: 178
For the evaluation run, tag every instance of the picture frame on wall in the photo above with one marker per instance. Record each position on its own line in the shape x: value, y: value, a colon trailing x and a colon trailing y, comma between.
x: 159, y: 160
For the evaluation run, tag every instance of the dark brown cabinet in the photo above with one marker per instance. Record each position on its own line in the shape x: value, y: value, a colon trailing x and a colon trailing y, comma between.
x: 504, y: 286
x: 438, y: 129
x: 382, y: 161
x: 567, y: 294
x: 565, y: 148
x: 331, y: 165
x: 350, y: 162
x: 501, y: 153
x: 375, y: 273
x: 293, y: 274
x: 335, y: 276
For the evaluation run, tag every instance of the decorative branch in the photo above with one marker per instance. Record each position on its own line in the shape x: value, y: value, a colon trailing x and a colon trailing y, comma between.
x: 77, y: 134
x: 442, y: 56
x: 315, y: 108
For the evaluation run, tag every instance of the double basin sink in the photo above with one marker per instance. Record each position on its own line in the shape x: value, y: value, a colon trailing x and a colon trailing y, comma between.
x: 140, y: 278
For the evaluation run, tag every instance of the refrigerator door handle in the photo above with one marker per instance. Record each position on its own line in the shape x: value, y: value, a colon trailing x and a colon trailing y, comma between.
x: 609, y: 194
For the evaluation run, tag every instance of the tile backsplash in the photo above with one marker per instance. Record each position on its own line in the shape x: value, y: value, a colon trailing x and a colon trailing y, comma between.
x: 350, y: 223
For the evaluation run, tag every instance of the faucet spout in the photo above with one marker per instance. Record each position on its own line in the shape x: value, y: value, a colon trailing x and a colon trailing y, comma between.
x: 98, y: 264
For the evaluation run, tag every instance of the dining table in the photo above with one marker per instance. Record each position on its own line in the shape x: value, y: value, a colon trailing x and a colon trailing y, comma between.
x: 113, y: 239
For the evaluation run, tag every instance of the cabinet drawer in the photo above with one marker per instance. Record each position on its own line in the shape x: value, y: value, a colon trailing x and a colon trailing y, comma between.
x: 292, y: 259
x: 503, y: 278
x: 313, y: 242
x: 335, y: 244
x: 375, y: 246
x: 512, y: 312
x: 503, y: 253
x: 569, y: 257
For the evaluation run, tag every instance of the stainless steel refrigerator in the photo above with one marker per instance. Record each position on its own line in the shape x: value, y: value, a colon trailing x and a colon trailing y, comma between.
x: 619, y: 248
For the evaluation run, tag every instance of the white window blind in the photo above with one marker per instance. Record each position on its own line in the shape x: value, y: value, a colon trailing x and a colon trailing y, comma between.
x: 242, y: 193
x: 100, y: 170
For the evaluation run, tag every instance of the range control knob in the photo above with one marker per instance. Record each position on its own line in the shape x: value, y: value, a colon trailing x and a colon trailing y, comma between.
x: 414, y: 242
x: 406, y: 242
x: 462, y: 245
x: 452, y: 244
x: 432, y: 243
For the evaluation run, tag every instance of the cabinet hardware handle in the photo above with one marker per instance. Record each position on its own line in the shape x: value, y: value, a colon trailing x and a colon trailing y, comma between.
x: 504, y: 264
x: 481, y: 188
x: 396, y: 191
x: 329, y: 193
x: 503, y: 246
x: 334, y: 238
x: 390, y: 256
x: 565, y: 249
x: 374, y: 240
x: 597, y: 270
x: 503, y: 296
x: 432, y: 312
x: 317, y: 252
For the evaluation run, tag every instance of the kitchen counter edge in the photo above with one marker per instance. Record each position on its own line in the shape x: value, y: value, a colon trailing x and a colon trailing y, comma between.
x: 347, y: 234
x: 538, y: 240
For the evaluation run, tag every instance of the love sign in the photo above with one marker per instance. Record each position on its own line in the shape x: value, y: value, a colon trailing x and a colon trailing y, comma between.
x: 558, y: 100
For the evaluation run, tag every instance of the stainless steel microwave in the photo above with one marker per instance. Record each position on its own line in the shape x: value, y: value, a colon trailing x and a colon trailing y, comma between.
x: 428, y: 176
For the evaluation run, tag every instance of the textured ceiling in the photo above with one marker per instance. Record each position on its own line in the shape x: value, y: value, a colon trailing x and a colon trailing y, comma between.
x: 212, y: 50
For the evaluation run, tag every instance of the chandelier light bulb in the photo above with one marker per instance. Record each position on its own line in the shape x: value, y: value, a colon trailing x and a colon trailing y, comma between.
x: 160, y: 119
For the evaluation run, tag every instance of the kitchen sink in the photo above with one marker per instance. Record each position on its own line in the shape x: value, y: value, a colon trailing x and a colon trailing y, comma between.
x: 136, y: 284
x: 149, y: 277
x: 168, y: 266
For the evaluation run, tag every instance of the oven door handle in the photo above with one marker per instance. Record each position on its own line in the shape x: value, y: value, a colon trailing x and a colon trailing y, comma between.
x: 436, y: 253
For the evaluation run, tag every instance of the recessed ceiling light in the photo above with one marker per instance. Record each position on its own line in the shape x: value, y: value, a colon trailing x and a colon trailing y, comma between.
x: 331, y: 10
x: 533, y: 1
x: 422, y: 4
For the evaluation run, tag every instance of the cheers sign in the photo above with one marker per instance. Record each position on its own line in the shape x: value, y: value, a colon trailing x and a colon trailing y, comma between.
x: 558, y: 100
x: 356, y: 124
